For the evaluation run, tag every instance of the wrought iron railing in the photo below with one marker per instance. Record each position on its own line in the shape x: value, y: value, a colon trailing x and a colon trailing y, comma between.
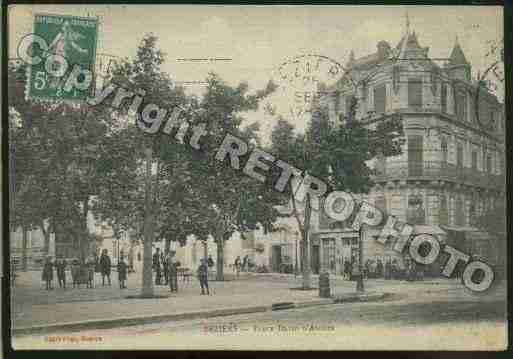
x: 438, y: 170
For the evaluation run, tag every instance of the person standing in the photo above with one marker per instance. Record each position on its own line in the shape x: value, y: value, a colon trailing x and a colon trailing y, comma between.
x: 237, y: 265
x: 47, y: 274
x: 61, y: 272
x: 122, y: 272
x: 172, y: 265
x: 203, y: 276
x: 105, y: 266
x: 90, y: 271
x: 156, y: 267
x: 347, y: 268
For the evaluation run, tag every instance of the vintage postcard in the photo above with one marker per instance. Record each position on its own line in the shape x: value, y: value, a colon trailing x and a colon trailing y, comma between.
x: 256, y: 177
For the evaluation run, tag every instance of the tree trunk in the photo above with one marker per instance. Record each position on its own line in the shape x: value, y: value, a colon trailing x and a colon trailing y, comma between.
x: 24, y: 261
x: 167, y: 245
x: 220, y: 259
x: 46, y: 237
x: 307, y: 279
x: 147, y: 283
x: 205, y: 249
x: 84, y: 244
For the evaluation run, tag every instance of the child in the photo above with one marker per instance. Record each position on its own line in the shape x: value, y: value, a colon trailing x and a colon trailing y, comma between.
x: 48, y: 273
x: 90, y: 271
x: 203, y: 276
x: 122, y: 270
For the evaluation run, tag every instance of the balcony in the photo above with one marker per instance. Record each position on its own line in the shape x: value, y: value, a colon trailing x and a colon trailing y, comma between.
x: 438, y: 170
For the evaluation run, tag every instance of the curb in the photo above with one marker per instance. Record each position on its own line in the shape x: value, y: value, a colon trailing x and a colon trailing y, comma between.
x: 352, y: 298
x: 140, y: 320
x: 124, y: 322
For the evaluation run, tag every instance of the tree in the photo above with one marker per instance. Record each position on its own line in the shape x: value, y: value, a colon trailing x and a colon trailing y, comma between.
x: 230, y: 201
x: 125, y: 202
x: 335, y: 153
x: 55, y: 149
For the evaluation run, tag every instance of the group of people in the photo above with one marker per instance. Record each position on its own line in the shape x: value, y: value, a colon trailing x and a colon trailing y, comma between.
x: 83, y: 272
x: 390, y: 269
x: 167, y: 265
x: 244, y: 265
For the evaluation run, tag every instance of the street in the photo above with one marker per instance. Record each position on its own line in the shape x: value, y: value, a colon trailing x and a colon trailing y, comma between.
x: 416, y: 317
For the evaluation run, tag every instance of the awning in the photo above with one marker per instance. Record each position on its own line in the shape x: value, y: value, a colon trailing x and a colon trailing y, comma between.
x: 435, y: 231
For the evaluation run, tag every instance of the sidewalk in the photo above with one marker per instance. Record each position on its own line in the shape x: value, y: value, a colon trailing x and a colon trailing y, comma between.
x: 109, y: 306
x: 33, y: 306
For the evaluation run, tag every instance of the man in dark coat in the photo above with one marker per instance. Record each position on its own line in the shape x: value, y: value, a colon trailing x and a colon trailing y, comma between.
x: 172, y: 266
x: 61, y: 272
x: 48, y: 273
x: 105, y: 266
x: 157, y: 267
x: 203, y: 276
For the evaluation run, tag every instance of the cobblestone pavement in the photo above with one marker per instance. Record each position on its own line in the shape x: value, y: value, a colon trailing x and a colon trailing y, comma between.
x: 32, y: 305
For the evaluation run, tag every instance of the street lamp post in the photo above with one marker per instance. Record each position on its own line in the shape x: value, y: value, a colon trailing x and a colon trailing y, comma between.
x: 359, y: 278
x: 295, y: 264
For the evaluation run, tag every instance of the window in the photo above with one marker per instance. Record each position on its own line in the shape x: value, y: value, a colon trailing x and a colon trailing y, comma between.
x: 329, y: 254
x: 461, y: 105
x: 444, y: 151
x: 459, y: 156
x: 489, y: 163
x: 381, y: 203
x: 443, y: 213
x: 349, y: 102
x: 472, y: 213
x: 414, y: 93
x: 380, y: 97
x: 415, y: 155
x: 459, y: 215
x: 474, y: 160
x: 443, y: 98
x: 416, y: 213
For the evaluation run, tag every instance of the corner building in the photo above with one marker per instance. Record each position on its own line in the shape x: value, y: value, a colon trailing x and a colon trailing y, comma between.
x: 452, y: 168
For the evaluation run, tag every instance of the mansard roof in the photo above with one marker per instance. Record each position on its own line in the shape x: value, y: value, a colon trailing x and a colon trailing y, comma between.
x: 457, y: 56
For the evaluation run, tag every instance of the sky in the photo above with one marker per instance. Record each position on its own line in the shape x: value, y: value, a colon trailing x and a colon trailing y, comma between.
x: 257, y: 39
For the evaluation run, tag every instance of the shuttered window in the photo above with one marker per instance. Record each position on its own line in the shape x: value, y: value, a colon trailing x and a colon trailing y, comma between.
x: 459, y: 214
x: 415, y: 155
x: 443, y: 213
x: 444, y: 151
x: 461, y: 105
x: 380, y: 97
x: 415, y: 93
x: 443, y: 98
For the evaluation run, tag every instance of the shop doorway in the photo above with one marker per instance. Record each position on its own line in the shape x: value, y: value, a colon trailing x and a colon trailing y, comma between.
x: 315, y: 259
x: 276, y: 258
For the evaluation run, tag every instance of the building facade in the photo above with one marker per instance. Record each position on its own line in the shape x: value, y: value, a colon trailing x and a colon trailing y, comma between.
x: 452, y: 167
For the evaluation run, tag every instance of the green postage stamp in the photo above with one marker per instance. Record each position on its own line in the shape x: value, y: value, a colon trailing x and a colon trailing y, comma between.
x: 70, y: 42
